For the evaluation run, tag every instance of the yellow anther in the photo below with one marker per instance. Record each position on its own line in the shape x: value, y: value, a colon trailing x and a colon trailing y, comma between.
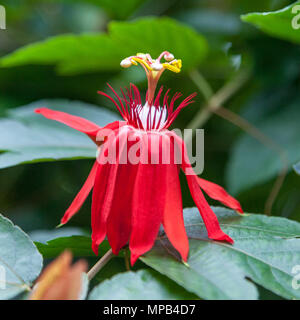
x: 174, y: 65
x: 179, y: 63
x: 134, y: 60
x: 171, y: 67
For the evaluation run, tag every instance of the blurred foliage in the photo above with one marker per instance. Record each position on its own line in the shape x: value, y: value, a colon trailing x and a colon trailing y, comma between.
x: 28, y: 138
x: 44, y: 38
x: 102, y: 52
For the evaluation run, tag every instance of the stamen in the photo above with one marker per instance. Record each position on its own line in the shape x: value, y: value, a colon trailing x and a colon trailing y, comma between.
x: 153, y: 68
x: 148, y: 117
x: 153, y: 118
x: 153, y: 115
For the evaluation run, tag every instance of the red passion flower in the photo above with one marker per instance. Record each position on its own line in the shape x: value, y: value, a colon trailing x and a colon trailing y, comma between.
x: 133, y: 198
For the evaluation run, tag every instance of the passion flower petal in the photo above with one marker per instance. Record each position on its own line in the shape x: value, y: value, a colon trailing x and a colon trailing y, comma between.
x: 148, y: 206
x: 81, y: 196
x: 218, y: 193
x: 74, y: 122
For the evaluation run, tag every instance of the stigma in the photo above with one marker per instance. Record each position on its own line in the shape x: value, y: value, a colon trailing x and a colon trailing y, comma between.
x: 153, y: 68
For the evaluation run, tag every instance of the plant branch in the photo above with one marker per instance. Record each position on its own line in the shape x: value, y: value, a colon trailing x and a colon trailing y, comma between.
x: 258, y: 135
x: 126, y: 257
x: 213, y: 101
x: 214, y: 106
x: 100, y: 264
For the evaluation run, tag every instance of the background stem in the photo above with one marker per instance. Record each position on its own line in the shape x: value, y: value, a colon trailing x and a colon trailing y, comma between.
x: 214, y: 106
x: 100, y: 264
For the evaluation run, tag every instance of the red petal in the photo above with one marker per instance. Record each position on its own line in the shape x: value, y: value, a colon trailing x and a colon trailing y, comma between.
x: 74, y: 122
x: 99, y: 216
x: 108, y: 213
x: 104, y: 132
x: 81, y: 196
x: 115, y: 125
x: 173, y: 216
x: 209, y: 218
x: 216, y: 192
x: 119, y: 219
x: 148, y: 205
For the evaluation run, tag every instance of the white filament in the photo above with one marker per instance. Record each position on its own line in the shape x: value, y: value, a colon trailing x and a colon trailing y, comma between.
x: 156, y: 119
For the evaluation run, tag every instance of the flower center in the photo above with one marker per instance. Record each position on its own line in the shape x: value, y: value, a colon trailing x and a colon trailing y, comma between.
x: 153, y: 117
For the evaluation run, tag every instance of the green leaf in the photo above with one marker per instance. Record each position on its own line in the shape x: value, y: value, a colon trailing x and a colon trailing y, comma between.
x: 80, y: 246
x: 27, y: 137
x: 140, y: 285
x: 245, y: 170
x: 265, y: 250
x: 91, y: 52
x: 278, y: 23
x: 20, y: 261
x: 46, y: 235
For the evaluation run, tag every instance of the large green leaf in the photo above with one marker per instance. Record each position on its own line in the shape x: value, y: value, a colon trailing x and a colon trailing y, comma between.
x: 265, y: 250
x: 252, y: 163
x: 91, y: 52
x: 20, y: 261
x: 27, y: 137
x: 278, y: 23
x: 140, y: 285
